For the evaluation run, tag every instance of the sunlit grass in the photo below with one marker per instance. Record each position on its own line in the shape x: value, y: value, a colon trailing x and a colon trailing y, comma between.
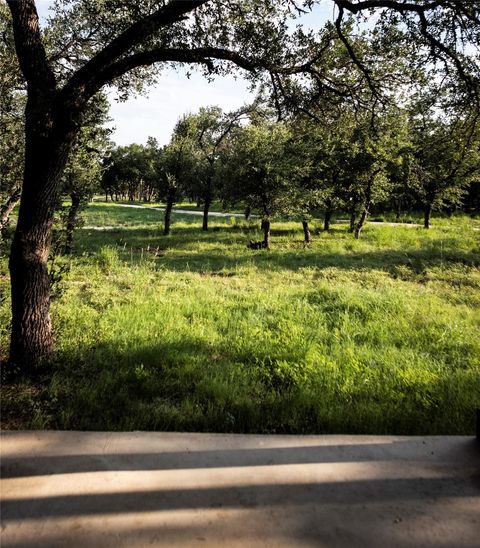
x: 195, y: 332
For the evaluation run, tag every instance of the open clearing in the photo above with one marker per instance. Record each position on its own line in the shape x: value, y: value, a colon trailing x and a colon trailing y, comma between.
x: 195, y: 332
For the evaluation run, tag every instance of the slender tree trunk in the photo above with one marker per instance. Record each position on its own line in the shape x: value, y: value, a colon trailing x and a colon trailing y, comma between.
x: 361, y: 222
x: 168, y: 212
x: 398, y: 215
x: 306, y: 231
x: 353, y: 218
x: 106, y: 197
x: 206, y: 209
x: 327, y: 219
x: 8, y: 207
x: 427, y: 213
x: 248, y: 212
x: 266, y: 232
x: 72, y: 221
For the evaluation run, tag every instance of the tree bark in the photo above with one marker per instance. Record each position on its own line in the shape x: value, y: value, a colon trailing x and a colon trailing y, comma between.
x: 361, y: 223
x: 168, y: 212
x: 327, y: 219
x: 72, y: 221
x: 266, y: 233
x: 8, y: 207
x: 398, y: 215
x: 306, y: 232
x: 353, y: 218
x: 206, y: 209
x: 427, y: 213
x: 45, y: 159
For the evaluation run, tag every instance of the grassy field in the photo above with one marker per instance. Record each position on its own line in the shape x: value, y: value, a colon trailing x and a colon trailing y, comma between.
x: 195, y: 332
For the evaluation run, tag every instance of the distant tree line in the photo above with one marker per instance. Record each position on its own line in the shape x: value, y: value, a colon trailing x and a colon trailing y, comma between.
x: 349, y: 163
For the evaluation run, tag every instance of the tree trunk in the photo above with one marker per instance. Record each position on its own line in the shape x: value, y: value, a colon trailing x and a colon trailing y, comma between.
x: 72, y: 222
x: 327, y: 219
x: 353, y: 218
x: 248, y: 212
x: 266, y: 233
x: 50, y: 129
x: 206, y: 209
x: 361, y: 223
x: 306, y: 232
x: 45, y: 159
x: 398, y: 215
x: 366, y: 208
x: 426, y: 216
x: 168, y: 213
x: 8, y: 207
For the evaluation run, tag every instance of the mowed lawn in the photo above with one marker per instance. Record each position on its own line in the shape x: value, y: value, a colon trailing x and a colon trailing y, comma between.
x: 196, y: 332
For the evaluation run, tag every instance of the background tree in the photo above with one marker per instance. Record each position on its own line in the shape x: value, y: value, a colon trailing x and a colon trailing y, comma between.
x: 209, y: 129
x: 260, y: 171
x: 446, y: 159
x: 176, y: 167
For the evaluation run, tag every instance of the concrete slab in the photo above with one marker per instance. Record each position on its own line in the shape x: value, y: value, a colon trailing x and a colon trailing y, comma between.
x: 169, y: 489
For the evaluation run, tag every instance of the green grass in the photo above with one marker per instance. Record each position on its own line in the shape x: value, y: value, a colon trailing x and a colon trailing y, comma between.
x: 195, y: 332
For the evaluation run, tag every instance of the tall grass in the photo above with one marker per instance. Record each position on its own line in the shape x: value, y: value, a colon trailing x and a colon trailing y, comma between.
x: 195, y: 332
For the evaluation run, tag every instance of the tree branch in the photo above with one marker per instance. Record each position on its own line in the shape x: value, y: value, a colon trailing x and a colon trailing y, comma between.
x: 29, y: 46
x: 161, y: 55
x: 174, y: 11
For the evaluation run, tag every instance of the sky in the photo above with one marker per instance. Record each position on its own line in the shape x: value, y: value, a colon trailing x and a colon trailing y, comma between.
x: 156, y: 114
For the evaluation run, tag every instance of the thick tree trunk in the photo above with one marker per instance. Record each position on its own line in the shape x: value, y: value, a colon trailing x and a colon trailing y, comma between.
x: 31, y: 339
x: 206, y: 209
x: 266, y: 233
x: 8, y: 207
x: 306, y: 232
x: 72, y: 221
x: 49, y: 135
x: 427, y: 213
x: 327, y: 219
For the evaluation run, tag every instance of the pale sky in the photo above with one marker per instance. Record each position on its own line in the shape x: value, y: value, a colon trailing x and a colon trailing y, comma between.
x: 156, y: 114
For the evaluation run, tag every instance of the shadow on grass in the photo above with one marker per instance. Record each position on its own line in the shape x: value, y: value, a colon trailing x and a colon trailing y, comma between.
x: 182, y: 252
x: 181, y: 256
x: 188, y: 385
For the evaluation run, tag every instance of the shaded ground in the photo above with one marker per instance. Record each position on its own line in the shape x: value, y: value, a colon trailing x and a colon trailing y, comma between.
x: 136, y: 489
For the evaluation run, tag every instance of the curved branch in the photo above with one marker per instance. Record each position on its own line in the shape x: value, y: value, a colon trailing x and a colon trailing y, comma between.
x: 29, y: 46
x: 363, y: 69
x: 162, y: 55
x: 174, y: 11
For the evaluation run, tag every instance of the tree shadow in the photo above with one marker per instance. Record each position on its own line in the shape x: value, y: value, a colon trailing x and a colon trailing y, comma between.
x: 180, y: 252
x: 295, y: 490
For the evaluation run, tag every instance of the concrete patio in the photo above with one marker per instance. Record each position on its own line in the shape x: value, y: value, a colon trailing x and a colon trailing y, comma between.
x: 167, y: 489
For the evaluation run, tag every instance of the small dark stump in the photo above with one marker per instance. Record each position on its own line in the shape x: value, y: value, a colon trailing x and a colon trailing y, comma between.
x: 257, y: 245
